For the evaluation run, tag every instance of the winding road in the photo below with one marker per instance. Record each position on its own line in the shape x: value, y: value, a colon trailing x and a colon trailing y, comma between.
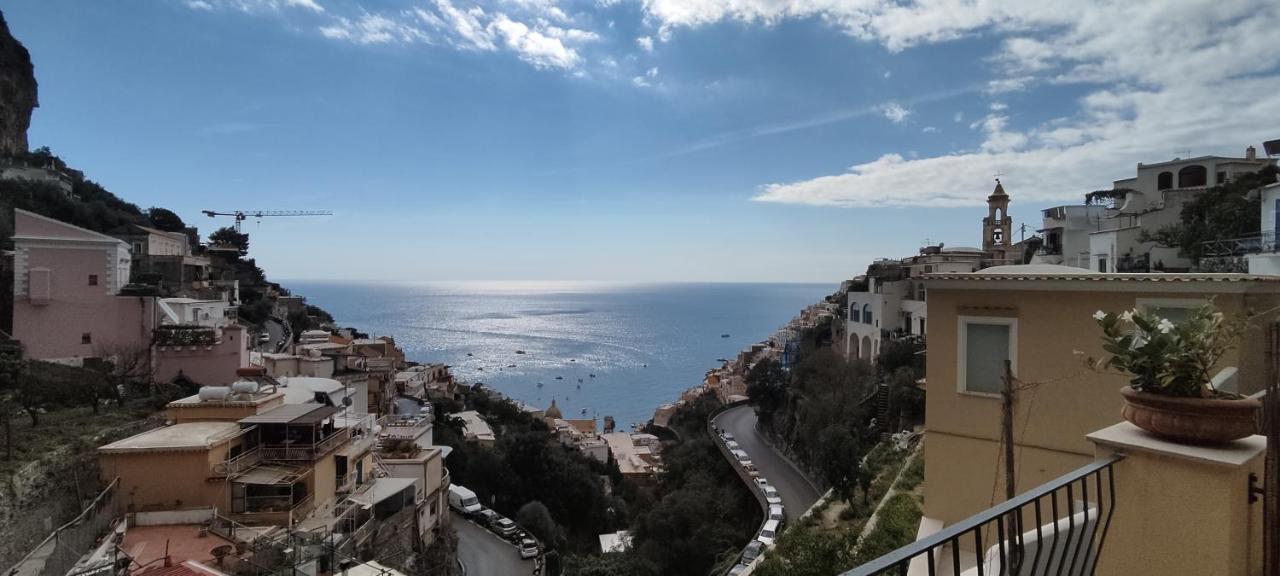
x: 484, y: 554
x: 797, y: 493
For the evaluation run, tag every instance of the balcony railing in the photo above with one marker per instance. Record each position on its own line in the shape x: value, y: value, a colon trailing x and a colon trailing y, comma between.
x: 1070, y: 518
x: 1262, y: 242
x: 238, y: 464
x: 305, y: 452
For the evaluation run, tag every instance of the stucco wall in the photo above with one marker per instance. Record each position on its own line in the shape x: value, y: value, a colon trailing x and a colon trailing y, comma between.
x: 214, y: 366
x: 1065, y: 402
x: 166, y: 480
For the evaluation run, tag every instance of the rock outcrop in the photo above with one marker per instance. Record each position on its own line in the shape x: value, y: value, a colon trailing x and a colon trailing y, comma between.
x: 17, y: 92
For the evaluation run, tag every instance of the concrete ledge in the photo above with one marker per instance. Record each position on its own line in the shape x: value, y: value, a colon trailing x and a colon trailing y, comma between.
x: 1125, y: 437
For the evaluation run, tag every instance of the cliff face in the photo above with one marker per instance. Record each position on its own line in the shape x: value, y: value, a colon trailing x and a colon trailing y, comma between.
x: 17, y: 92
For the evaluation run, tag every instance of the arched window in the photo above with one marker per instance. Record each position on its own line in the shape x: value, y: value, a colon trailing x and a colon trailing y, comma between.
x: 855, y: 313
x: 866, y: 313
x: 999, y: 215
x: 1192, y: 177
x: 1164, y: 181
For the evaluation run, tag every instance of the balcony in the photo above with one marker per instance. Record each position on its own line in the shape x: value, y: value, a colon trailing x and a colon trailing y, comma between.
x: 1261, y: 243
x: 182, y: 335
x: 1069, y: 519
x: 301, y: 451
x: 241, y: 463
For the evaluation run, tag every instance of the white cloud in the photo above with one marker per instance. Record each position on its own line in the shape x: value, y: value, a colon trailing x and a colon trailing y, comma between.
x: 467, y: 28
x: 929, y: 129
x: 533, y: 46
x: 640, y: 81
x: 895, y: 112
x: 251, y: 6
x: 199, y: 5
x: 652, y: 72
x: 373, y: 29
x: 645, y: 43
x: 998, y: 106
x: 1155, y: 79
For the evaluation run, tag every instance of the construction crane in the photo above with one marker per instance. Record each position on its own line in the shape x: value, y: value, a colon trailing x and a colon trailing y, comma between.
x: 242, y: 215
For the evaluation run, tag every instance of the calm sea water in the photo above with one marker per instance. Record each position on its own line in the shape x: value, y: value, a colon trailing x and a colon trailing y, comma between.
x: 644, y: 343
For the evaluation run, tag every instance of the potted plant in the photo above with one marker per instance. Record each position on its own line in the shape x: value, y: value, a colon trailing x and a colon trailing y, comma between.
x: 1170, y: 368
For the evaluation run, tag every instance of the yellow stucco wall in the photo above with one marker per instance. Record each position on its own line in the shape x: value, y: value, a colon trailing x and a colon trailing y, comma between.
x: 1067, y: 400
x: 166, y: 480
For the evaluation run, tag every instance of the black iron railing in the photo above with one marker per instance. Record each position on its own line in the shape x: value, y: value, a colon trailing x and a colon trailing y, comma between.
x: 1056, y: 528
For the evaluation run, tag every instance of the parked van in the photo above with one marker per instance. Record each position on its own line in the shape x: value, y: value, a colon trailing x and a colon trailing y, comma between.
x: 769, y: 533
x: 463, y: 500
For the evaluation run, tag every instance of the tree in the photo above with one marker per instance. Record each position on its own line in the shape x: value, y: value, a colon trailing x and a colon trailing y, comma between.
x: 165, y: 219
x: 13, y: 371
x: 535, y: 517
x: 227, y: 236
x: 840, y: 459
x: 767, y: 387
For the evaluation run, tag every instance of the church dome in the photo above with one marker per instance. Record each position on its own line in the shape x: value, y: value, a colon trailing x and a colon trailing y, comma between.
x: 554, y: 411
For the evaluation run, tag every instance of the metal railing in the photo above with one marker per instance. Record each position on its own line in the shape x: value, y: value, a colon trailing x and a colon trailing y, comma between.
x: 60, y: 551
x: 1069, y: 520
x: 1262, y: 242
x: 239, y: 464
x: 305, y: 452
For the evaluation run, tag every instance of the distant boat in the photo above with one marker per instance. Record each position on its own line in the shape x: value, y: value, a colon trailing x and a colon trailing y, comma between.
x: 480, y: 369
x: 579, y: 386
x: 519, y: 351
x: 511, y: 365
x: 559, y: 377
x: 579, y: 381
x: 584, y: 410
x: 539, y: 384
x: 468, y: 353
x: 591, y: 375
x: 725, y: 335
x: 572, y: 360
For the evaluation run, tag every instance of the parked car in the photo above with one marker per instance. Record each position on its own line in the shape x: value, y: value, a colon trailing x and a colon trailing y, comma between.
x: 762, y: 483
x: 738, y: 570
x: 771, y: 495
x: 752, y: 551
x: 728, y: 436
x: 751, y: 469
x: 264, y: 338
x: 731, y: 445
x: 769, y: 533
x: 486, y: 517
x: 776, y: 512
x: 503, y: 526
x: 528, y: 548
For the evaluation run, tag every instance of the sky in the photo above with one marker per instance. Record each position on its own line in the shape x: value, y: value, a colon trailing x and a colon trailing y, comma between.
x: 634, y: 140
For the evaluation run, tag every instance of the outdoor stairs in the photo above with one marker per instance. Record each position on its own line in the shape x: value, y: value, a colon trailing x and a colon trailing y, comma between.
x: 882, y: 406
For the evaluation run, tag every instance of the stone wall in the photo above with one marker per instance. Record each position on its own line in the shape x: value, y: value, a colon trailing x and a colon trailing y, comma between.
x: 17, y: 92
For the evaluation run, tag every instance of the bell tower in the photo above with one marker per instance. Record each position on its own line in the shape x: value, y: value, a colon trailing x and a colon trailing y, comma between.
x: 997, y: 227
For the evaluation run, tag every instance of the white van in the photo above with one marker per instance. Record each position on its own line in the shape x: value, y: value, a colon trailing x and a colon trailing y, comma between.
x: 769, y: 533
x: 463, y: 500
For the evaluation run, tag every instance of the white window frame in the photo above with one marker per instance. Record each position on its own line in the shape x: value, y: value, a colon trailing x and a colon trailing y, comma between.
x: 962, y: 348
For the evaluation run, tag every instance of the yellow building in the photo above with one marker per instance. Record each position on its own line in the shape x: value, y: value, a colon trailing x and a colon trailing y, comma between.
x: 1037, y: 317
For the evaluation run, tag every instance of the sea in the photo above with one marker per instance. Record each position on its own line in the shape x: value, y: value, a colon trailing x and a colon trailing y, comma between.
x: 597, y: 349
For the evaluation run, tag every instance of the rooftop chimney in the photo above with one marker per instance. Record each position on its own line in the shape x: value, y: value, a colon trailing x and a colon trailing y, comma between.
x: 1251, y: 153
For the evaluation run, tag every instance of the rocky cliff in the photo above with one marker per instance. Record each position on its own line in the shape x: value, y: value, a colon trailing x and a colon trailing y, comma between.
x: 17, y: 92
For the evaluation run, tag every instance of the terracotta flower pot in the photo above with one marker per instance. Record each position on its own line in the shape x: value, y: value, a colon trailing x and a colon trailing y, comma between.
x: 1191, y: 420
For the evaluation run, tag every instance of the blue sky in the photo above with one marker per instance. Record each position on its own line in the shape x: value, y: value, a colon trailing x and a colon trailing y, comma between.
x: 648, y: 140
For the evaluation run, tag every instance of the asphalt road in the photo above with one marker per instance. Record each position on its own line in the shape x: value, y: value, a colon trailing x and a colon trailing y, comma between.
x: 485, y: 554
x: 797, y: 493
x: 276, y: 330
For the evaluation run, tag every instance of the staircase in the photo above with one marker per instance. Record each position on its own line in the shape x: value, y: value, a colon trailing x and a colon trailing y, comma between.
x: 882, y: 406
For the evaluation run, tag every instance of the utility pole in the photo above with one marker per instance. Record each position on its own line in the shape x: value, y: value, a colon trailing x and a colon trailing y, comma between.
x: 1013, y: 525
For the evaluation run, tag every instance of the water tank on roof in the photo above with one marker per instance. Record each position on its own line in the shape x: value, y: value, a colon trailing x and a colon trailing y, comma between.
x: 245, y: 387
x: 214, y: 393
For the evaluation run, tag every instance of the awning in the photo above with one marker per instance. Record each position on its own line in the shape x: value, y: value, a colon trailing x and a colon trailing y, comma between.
x: 382, y: 489
x: 271, y: 475
x: 293, y: 414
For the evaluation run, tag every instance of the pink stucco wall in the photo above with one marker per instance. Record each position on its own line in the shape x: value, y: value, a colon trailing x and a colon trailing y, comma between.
x: 215, y: 366
x: 56, y: 329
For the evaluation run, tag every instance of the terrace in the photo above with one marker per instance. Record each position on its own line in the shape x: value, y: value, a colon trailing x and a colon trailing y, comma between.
x: 298, y: 432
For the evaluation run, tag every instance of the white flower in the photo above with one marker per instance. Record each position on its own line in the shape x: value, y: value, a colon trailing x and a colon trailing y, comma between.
x: 1127, y: 315
x: 1165, y: 326
x: 1099, y: 315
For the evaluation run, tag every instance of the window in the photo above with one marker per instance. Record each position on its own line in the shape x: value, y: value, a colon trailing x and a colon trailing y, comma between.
x: 1193, y: 177
x: 1222, y: 178
x: 855, y: 314
x: 866, y: 313
x: 86, y: 338
x: 93, y: 279
x: 1164, y: 181
x: 1102, y: 264
x: 984, y: 345
x: 1175, y: 309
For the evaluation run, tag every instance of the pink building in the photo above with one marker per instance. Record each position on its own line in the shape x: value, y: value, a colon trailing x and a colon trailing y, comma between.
x: 69, y: 305
x: 67, y: 292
